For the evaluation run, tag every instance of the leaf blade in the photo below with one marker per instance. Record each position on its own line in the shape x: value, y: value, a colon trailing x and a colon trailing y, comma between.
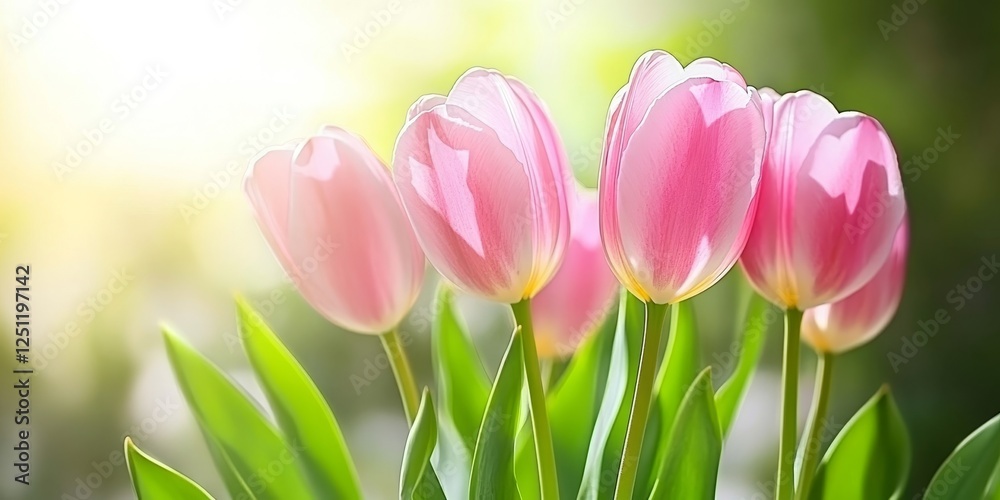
x: 493, y: 473
x: 302, y: 413
x: 418, y: 480
x: 870, y: 457
x: 968, y: 471
x: 729, y: 397
x: 233, y: 422
x: 153, y: 480
x: 694, y: 446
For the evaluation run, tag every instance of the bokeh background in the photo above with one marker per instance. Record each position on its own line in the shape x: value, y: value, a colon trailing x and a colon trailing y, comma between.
x: 126, y: 128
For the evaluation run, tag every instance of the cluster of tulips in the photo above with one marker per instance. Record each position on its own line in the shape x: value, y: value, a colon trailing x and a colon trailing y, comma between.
x: 699, y: 171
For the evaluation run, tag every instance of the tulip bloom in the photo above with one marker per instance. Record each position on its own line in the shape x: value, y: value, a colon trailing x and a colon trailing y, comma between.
x: 482, y: 174
x: 331, y: 214
x: 830, y: 202
x: 678, y: 192
x: 857, y: 319
x: 582, y: 292
x: 679, y: 176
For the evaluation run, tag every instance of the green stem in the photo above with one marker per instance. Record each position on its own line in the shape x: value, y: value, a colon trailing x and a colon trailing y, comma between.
x: 639, y: 413
x: 810, y: 448
x: 789, y: 403
x: 404, y: 375
x: 536, y: 402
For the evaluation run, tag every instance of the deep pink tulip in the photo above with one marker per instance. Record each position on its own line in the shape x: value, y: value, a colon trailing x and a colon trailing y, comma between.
x: 857, y: 319
x: 581, y: 294
x: 482, y: 174
x: 679, y: 176
x: 831, y: 200
x: 331, y: 214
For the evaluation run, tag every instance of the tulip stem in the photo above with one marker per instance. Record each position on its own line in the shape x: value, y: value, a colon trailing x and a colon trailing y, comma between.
x: 536, y: 402
x: 789, y: 403
x: 404, y: 375
x: 639, y: 414
x: 809, y: 453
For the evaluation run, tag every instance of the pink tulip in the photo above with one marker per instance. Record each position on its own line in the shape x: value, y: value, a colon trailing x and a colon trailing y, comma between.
x: 830, y: 202
x: 482, y: 173
x: 857, y: 319
x: 331, y: 214
x: 679, y: 176
x: 581, y: 294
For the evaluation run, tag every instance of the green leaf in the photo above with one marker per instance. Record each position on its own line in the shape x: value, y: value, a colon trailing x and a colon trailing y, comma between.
x: 246, y: 442
x: 966, y: 474
x: 525, y: 460
x: 463, y: 385
x: 418, y: 480
x: 751, y: 344
x: 694, y: 446
x: 301, y: 411
x: 870, y: 458
x: 574, y: 404
x: 608, y: 439
x: 493, y: 462
x: 678, y: 371
x: 153, y: 480
x: 463, y: 389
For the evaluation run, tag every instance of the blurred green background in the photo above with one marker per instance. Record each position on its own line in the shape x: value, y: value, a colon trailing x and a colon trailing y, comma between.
x: 126, y: 127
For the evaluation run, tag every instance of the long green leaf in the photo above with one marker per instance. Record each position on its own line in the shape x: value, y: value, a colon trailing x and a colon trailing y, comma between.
x: 250, y: 445
x: 574, y: 404
x: 301, y: 411
x: 493, y: 463
x: 418, y: 480
x: 678, y: 371
x: 694, y: 447
x: 608, y: 439
x: 967, y: 472
x: 870, y: 458
x: 463, y: 390
x: 153, y: 480
x: 751, y: 344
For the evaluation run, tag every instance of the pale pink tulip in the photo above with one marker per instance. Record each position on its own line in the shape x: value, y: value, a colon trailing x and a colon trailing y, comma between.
x: 332, y: 216
x: 857, y: 319
x: 482, y: 174
x: 831, y: 200
x: 679, y: 176
x: 581, y: 294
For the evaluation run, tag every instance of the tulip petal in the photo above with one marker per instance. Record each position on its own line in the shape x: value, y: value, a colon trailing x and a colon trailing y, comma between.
x: 424, y: 103
x: 693, y: 170
x: 849, y: 204
x: 794, y: 123
x: 465, y: 193
x: 357, y: 258
x: 855, y: 320
x: 652, y: 74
